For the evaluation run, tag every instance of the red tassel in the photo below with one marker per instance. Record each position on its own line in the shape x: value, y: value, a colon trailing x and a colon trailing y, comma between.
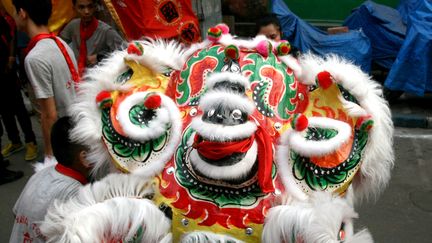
x: 265, y: 160
x: 152, y: 102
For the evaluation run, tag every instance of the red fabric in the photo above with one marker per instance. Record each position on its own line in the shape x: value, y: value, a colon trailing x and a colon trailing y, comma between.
x: 35, y: 39
x: 86, y: 31
x: 71, y: 173
x: 156, y: 19
x: 265, y: 159
x: 218, y: 150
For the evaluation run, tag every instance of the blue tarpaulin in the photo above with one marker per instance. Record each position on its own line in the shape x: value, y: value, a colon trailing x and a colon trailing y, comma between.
x: 384, y: 27
x: 354, y: 45
x: 412, y: 70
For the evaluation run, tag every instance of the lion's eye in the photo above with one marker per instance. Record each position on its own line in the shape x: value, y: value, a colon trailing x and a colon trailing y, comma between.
x: 210, y: 112
x: 236, y: 114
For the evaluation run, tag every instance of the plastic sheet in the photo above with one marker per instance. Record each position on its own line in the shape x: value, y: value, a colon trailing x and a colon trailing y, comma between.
x: 384, y: 27
x: 354, y: 45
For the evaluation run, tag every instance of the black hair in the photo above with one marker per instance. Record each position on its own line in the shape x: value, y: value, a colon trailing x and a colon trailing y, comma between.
x: 38, y: 10
x: 65, y: 151
x: 267, y: 20
x: 94, y: 1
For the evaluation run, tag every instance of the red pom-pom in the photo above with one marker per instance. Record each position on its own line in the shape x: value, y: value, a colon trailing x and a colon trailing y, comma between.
x: 103, y: 99
x: 152, y: 102
x: 299, y: 122
x: 324, y: 79
x: 135, y: 48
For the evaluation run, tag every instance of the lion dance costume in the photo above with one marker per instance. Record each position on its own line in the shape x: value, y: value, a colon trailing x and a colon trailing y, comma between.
x: 228, y: 140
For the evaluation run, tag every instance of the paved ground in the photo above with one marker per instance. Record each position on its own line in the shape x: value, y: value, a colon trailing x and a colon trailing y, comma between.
x: 402, y: 214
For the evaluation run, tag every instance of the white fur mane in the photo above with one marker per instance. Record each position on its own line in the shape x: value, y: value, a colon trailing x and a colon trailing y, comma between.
x: 112, y: 207
x: 378, y: 156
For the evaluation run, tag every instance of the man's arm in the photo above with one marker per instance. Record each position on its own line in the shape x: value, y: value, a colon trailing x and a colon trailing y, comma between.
x: 48, y: 117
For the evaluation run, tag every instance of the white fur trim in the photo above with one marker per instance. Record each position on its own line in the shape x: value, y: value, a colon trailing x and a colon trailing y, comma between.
x: 111, y: 205
x: 87, y: 115
x: 378, y: 158
x: 286, y: 175
x: 297, y: 142
x: 159, y: 55
x: 227, y: 76
x: 221, y: 133
x: 117, y: 218
x: 48, y: 162
x: 292, y: 63
x: 156, y: 127
x: 235, y: 171
x: 226, y: 99
x: 352, y: 108
x: 315, y: 221
x: 193, y: 48
x: 208, y: 237
x: 157, y: 164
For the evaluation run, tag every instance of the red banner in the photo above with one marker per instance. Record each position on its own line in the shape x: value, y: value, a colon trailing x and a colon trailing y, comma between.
x: 156, y: 19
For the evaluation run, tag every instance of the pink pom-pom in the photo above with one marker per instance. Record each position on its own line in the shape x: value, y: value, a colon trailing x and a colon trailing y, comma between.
x: 324, y: 79
x: 153, y: 101
x: 224, y: 28
x: 264, y: 48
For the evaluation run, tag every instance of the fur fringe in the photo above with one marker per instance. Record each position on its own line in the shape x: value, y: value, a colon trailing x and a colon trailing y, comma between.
x: 208, y: 237
x: 160, y: 55
x: 315, y: 221
x: 48, y: 162
x: 236, y: 78
x: 378, y: 158
x: 221, y: 133
x: 221, y: 172
x: 113, y: 207
x: 227, y: 100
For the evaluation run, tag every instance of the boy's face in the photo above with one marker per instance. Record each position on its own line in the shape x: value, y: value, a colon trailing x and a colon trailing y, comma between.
x: 271, y: 31
x: 85, y: 9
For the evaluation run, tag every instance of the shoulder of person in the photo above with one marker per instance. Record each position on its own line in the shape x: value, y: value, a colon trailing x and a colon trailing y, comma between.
x: 74, y: 22
x: 104, y: 26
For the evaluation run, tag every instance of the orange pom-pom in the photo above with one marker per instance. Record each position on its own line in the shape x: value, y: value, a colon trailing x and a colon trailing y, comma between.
x: 324, y: 79
x: 153, y: 101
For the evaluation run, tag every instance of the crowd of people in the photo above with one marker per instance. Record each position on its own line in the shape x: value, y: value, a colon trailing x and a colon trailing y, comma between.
x: 53, y: 65
x: 82, y: 43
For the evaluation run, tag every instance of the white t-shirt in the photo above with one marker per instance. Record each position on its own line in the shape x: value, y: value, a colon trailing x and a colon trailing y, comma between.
x: 49, y: 74
x: 39, y: 193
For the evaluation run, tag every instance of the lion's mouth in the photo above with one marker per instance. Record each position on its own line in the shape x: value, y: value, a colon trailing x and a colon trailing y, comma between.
x: 230, y: 161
